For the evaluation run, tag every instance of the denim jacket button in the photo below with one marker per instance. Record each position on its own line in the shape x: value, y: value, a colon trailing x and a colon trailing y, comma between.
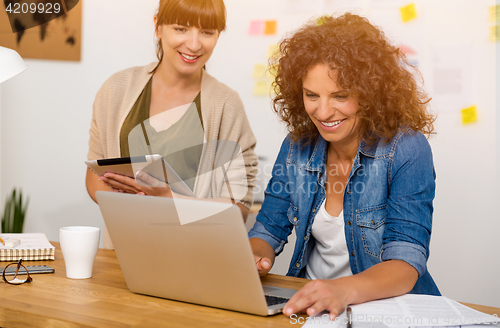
x: 349, y: 222
x: 297, y: 265
x: 348, y: 192
x: 314, y: 210
x: 352, y: 254
x: 306, y: 238
x: 295, y: 219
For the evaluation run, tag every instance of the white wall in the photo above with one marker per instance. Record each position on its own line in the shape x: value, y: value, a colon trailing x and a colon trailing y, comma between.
x: 46, y: 115
x: 465, y: 245
x: 1, y: 142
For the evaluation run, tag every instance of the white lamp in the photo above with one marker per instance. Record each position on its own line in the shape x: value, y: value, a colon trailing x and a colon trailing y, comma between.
x: 11, y: 64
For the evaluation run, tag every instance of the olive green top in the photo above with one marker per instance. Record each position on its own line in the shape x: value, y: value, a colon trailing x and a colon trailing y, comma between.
x: 224, y: 118
x: 180, y: 145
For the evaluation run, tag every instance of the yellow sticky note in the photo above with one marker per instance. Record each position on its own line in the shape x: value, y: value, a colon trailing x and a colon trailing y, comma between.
x: 270, y: 27
x: 261, y: 88
x: 494, y: 13
x: 272, y: 51
x: 259, y: 70
x: 408, y: 12
x: 495, y: 33
x: 322, y: 20
x: 272, y: 72
x: 469, y: 115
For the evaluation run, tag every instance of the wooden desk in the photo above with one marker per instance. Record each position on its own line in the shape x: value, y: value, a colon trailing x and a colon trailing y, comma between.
x: 52, y: 300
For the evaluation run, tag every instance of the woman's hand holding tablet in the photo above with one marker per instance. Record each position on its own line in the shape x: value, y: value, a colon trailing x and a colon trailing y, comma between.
x: 146, y: 175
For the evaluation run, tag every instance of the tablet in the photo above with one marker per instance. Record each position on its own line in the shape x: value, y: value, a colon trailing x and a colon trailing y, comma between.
x: 154, y: 165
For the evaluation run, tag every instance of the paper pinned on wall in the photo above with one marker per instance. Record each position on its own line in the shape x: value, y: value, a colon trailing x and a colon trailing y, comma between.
x: 255, y: 27
x: 331, y: 6
x: 315, y: 6
x: 270, y: 28
x: 494, y: 13
x: 259, y: 70
x: 495, y: 33
x: 469, y: 115
x: 453, y: 84
x: 411, y: 54
x: 271, y: 72
x: 272, y: 51
x: 261, y: 88
x: 322, y: 20
x: 259, y: 27
x: 301, y: 6
x: 408, y: 12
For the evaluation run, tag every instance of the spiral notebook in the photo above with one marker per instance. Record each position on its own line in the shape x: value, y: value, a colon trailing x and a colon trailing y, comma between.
x: 33, y: 246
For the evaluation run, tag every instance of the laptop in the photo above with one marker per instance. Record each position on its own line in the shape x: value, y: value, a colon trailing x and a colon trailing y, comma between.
x: 206, y: 261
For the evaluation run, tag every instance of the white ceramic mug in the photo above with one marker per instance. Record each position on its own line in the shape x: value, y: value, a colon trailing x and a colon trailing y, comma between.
x: 79, y: 247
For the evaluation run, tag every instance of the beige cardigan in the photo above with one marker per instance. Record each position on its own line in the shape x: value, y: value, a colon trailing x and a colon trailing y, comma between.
x: 224, y: 118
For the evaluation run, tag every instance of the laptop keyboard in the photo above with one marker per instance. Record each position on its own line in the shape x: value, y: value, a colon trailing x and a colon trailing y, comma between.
x: 274, y: 300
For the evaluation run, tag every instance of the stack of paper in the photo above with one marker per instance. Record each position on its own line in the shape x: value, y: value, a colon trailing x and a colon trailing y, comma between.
x: 406, y: 311
x: 33, y: 246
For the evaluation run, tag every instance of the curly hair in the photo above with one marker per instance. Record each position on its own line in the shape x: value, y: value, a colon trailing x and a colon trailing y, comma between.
x: 375, y: 72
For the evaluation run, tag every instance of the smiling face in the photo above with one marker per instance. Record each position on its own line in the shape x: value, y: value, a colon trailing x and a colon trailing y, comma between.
x: 331, y: 108
x: 186, y: 48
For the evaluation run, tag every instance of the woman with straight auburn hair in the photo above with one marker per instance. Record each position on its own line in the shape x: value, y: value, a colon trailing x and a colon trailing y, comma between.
x: 174, y: 108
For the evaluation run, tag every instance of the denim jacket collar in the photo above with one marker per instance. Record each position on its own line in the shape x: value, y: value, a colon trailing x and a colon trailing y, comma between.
x: 318, y: 158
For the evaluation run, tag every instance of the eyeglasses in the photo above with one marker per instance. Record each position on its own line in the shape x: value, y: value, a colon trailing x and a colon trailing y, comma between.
x: 11, y: 277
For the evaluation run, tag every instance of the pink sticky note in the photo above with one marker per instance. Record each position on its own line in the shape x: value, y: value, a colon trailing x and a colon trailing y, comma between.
x: 256, y: 27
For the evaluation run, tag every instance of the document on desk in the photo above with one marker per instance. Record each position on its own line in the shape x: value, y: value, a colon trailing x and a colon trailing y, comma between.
x: 406, y: 311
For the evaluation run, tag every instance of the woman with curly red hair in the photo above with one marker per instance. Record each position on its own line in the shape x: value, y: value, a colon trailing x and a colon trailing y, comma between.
x: 355, y: 176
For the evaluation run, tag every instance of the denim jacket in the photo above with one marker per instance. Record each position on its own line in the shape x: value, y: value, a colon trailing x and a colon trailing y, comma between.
x: 387, y: 203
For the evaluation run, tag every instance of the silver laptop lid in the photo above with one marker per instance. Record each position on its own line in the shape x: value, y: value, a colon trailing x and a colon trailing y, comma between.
x: 206, y: 260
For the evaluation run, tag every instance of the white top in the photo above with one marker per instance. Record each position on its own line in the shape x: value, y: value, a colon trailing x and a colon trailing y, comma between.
x: 164, y: 120
x: 330, y: 257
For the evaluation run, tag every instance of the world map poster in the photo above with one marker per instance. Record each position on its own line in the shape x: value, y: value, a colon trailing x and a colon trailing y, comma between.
x: 57, y: 39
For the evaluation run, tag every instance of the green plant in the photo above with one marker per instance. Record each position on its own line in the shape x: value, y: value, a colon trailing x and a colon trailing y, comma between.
x: 14, y: 213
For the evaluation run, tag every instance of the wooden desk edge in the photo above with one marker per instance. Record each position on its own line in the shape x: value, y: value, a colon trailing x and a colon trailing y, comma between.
x: 483, y: 308
x: 292, y: 282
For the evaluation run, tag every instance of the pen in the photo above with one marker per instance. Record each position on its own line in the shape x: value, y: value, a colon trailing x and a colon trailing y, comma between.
x: 349, y: 317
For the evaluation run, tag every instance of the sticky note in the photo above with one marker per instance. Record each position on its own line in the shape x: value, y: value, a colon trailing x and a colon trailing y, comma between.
x: 256, y: 27
x: 270, y: 27
x: 495, y: 33
x: 322, y: 20
x: 259, y: 70
x: 261, y: 88
x: 469, y: 115
x: 407, y: 50
x: 272, y: 51
x: 272, y: 72
x: 408, y: 12
x: 494, y: 13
